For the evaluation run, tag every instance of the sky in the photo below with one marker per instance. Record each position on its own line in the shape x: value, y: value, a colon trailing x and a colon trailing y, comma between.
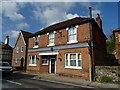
x: 34, y: 16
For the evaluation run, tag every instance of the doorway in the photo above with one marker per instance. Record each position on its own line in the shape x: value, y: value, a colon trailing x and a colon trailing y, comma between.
x: 52, y: 65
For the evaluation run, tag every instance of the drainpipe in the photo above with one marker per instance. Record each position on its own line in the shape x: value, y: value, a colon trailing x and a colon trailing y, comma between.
x: 91, y: 47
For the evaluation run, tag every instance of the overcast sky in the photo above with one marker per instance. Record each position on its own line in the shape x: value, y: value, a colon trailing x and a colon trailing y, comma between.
x: 33, y: 16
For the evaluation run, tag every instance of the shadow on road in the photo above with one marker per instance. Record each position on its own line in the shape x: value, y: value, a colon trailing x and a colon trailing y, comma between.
x: 17, y: 75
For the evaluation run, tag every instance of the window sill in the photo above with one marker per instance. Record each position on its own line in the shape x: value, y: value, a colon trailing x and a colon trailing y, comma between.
x: 32, y: 65
x: 35, y: 46
x: 45, y: 64
x: 51, y: 45
x: 73, y: 67
x: 70, y: 42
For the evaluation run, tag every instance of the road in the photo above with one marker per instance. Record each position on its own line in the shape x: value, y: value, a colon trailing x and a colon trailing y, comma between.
x: 23, y: 82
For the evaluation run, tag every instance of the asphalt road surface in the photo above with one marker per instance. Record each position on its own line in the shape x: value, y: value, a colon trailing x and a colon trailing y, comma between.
x: 20, y: 81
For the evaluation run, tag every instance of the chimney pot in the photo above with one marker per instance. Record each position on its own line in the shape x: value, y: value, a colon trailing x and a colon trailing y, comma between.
x: 98, y: 20
x: 7, y: 40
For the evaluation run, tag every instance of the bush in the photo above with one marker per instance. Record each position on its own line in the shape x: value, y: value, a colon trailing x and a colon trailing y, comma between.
x: 105, y: 79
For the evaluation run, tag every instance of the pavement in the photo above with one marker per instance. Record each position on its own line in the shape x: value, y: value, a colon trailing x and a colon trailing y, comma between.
x: 73, y: 81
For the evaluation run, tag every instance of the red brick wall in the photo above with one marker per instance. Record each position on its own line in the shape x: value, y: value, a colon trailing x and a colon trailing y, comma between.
x: 33, y: 69
x: 99, y: 43
x: 30, y: 43
x: 43, y: 40
x: 84, y: 72
x: 43, y: 68
x: 82, y: 32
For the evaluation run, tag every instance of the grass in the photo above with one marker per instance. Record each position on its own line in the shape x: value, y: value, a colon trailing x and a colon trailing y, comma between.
x: 106, y: 79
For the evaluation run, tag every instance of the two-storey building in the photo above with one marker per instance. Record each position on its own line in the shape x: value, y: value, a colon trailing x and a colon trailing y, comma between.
x: 19, y: 58
x: 65, y: 49
x: 6, y: 51
x: 116, y: 34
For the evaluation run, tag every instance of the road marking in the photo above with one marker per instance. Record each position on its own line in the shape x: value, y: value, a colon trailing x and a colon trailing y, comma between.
x: 14, y: 82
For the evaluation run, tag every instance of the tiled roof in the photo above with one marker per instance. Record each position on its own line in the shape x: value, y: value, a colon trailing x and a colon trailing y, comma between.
x: 62, y: 25
x: 26, y: 35
x: 116, y: 30
x: 6, y: 46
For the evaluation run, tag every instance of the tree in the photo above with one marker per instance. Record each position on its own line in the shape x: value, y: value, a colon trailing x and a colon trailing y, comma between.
x: 110, y: 46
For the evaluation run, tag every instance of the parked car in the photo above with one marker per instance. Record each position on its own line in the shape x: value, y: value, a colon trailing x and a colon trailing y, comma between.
x: 5, y: 68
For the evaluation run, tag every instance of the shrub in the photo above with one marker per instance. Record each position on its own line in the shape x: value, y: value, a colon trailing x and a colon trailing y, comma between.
x: 106, y: 79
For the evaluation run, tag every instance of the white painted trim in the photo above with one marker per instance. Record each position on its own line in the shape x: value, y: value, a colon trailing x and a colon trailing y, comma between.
x: 48, y: 33
x: 48, y: 53
x: 73, y: 67
x: 32, y: 65
x: 52, y: 44
x: 54, y: 32
x: 23, y: 38
x: 72, y: 41
x: 35, y: 46
x: 67, y: 28
x: 67, y: 67
x: 55, y: 65
x: 50, y: 65
x: 76, y: 26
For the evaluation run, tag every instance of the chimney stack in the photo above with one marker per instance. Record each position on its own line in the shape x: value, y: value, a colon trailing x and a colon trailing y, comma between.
x: 90, y: 12
x: 7, y: 40
x: 99, y: 21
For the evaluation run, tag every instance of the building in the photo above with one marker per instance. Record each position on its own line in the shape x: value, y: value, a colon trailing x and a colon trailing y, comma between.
x: 116, y: 34
x: 66, y: 48
x: 20, y: 50
x: 6, y: 51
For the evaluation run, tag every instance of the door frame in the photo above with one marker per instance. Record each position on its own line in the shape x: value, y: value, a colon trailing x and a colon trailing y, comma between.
x: 50, y: 66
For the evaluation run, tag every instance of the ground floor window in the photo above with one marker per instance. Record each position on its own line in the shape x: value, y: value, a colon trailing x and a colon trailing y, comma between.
x: 32, y: 61
x: 44, y: 60
x: 73, y: 60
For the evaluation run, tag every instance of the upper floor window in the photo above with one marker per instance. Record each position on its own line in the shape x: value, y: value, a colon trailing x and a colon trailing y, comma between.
x: 16, y: 60
x: 119, y: 37
x: 51, y: 38
x: 17, y: 49
x: 32, y: 61
x: 72, y: 35
x: 36, y: 41
x: 73, y: 60
x: 22, y: 48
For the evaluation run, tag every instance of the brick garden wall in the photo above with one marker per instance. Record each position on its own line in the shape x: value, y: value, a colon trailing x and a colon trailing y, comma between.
x: 112, y: 72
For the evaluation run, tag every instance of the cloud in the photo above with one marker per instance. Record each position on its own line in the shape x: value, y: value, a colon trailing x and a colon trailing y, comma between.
x: 22, y: 25
x: 12, y: 33
x: 11, y: 10
x: 50, y: 13
x: 70, y: 16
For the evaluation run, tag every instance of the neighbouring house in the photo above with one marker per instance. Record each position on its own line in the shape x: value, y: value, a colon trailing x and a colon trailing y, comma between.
x: 72, y: 47
x: 116, y: 52
x: 19, y: 57
x: 6, y: 51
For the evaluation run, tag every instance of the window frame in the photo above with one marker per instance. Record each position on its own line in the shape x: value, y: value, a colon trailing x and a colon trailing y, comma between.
x: 74, y: 33
x: 44, y: 59
x: 50, y: 37
x: 119, y: 37
x: 16, y: 60
x: 17, y: 49
x: 36, y: 40
x: 22, y: 48
x: 30, y: 60
x: 77, y: 61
